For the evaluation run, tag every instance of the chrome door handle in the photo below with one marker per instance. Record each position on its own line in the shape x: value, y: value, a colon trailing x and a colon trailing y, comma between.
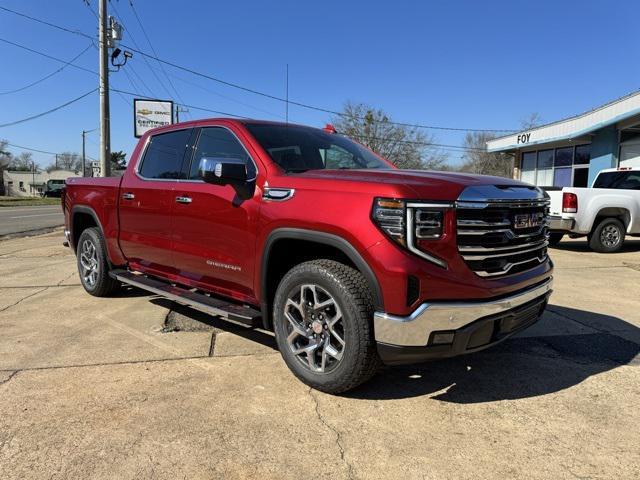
x: 128, y: 196
x: 183, y: 199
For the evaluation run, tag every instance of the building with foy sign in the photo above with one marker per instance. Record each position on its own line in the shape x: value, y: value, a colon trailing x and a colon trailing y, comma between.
x: 572, y: 151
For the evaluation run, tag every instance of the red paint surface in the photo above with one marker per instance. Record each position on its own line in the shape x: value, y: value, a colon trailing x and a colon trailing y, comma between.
x: 156, y: 235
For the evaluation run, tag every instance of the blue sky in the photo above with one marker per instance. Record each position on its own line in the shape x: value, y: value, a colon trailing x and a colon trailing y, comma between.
x: 464, y: 64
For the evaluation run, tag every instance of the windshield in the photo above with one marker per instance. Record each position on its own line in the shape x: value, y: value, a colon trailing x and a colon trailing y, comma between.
x: 297, y: 149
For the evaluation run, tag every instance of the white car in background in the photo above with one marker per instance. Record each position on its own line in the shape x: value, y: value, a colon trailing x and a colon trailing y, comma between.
x: 605, y: 213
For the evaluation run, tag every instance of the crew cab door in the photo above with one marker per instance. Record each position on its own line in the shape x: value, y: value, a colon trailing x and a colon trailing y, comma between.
x: 147, y: 197
x: 214, y: 231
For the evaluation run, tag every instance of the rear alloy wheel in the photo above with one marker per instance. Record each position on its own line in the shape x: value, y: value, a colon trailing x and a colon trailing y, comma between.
x: 322, y: 315
x: 93, y: 265
x: 608, y: 236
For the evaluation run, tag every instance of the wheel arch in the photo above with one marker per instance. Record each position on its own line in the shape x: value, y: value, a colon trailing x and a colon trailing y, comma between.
x: 326, y: 245
x: 82, y: 217
x: 621, y: 213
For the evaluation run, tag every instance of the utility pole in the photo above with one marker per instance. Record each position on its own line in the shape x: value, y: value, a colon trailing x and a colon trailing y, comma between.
x: 105, y: 128
x: 84, y: 167
x: 178, y: 110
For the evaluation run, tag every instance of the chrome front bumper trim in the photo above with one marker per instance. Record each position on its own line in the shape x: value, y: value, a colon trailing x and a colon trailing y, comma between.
x: 559, y: 223
x: 414, y: 330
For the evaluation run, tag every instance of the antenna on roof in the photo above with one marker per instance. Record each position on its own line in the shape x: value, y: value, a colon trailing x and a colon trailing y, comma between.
x: 286, y: 103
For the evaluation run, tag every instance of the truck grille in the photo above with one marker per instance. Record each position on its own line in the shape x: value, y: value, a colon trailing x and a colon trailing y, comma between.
x: 503, y: 238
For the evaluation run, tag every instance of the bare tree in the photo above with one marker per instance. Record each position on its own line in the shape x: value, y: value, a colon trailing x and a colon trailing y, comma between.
x: 478, y: 160
x: 531, y: 121
x: 23, y: 162
x: 66, y: 161
x: 405, y: 147
x: 5, y: 155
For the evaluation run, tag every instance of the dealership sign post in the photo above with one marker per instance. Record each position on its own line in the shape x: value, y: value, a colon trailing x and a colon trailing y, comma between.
x: 148, y: 114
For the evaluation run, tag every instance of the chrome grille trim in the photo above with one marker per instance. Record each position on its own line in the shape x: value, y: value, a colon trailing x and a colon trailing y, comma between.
x: 509, y: 266
x: 498, y: 255
x: 487, y: 237
x: 538, y: 244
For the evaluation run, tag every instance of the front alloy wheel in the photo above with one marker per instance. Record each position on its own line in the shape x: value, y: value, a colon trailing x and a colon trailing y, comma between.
x: 322, y: 317
x: 316, y: 331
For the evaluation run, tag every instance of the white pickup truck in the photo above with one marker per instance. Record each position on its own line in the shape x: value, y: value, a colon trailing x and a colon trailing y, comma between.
x: 605, y: 213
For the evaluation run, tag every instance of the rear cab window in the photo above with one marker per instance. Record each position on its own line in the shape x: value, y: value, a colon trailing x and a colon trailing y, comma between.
x: 164, y: 156
x: 621, y: 180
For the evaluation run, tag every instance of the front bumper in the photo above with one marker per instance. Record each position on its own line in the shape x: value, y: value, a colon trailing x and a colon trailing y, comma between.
x: 561, y: 224
x: 439, y: 329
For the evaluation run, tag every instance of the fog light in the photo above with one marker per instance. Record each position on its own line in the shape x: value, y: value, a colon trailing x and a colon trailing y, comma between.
x: 442, y: 338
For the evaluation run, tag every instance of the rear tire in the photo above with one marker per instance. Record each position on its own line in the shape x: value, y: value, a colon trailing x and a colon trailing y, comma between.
x: 607, y: 236
x: 322, y: 317
x: 93, y: 265
x: 554, y: 238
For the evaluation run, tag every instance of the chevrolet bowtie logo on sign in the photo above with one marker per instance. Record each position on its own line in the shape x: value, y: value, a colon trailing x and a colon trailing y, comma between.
x: 527, y: 220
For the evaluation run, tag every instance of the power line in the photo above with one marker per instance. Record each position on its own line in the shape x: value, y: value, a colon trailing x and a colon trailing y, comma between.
x: 49, y: 75
x: 115, y: 9
x: 32, y: 149
x: 70, y: 64
x: 218, y: 112
x: 144, y: 31
x: 260, y: 93
x: 49, y: 24
x: 38, y: 115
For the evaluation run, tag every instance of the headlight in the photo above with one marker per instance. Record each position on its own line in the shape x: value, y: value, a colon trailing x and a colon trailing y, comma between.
x: 411, y: 224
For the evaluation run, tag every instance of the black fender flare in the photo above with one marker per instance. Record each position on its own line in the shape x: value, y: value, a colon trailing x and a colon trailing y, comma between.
x: 318, y: 237
x: 82, y: 209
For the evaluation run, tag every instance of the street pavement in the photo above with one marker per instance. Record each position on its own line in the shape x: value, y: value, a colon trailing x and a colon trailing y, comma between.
x: 27, y: 219
x: 119, y: 388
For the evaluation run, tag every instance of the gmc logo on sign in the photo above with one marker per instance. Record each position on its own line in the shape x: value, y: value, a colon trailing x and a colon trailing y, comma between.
x: 527, y: 220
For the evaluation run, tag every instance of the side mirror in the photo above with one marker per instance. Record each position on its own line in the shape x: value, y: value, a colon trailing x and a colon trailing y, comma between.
x: 223, y: 171
x: 228, y: 171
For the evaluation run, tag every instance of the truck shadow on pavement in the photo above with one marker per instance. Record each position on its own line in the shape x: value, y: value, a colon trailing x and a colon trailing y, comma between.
x: 520, y: 367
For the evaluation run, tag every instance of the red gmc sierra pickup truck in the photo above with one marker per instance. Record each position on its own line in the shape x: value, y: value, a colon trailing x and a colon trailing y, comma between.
x: 350, y: 261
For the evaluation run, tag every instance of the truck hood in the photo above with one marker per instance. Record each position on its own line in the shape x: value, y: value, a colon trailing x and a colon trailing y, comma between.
x: 412, y: 183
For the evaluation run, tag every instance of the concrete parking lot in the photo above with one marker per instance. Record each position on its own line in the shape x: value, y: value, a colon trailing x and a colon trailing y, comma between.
x: 107, y: 388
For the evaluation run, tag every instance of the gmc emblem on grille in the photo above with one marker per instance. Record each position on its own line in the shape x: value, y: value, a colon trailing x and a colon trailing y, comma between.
x: 526, y: 220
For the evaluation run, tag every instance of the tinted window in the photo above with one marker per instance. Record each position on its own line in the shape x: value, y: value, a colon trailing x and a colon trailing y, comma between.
x: 564, y: 157
x: 583, y: 154
x: 545, y: 159
x: 296, y: 148
x: 620, y: 180
x: 164, y: 155
x: 218, y: 142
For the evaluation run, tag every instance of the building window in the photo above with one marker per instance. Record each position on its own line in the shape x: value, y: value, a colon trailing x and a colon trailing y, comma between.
x: 560, y: 167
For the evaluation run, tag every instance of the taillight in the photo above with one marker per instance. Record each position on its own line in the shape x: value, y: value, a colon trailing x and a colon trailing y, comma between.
x: 412, y: 225
x: 569, y: 202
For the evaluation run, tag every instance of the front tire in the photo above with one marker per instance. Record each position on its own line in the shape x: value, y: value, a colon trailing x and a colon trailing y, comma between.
x: 322, y: 318
x: 93, y: 265
x: 608, y: 236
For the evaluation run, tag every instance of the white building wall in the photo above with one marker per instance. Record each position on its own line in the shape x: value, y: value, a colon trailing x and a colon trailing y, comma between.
x: 28, y: 184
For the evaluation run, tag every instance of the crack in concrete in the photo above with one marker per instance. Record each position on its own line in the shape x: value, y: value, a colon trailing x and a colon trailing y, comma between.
x: 66, y: 278
x: 103, y: 364
x: 10, y: 377
x: 213, y: 344
x: 334, y: 430
x: 23, y: 299
x: 22, y: 287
